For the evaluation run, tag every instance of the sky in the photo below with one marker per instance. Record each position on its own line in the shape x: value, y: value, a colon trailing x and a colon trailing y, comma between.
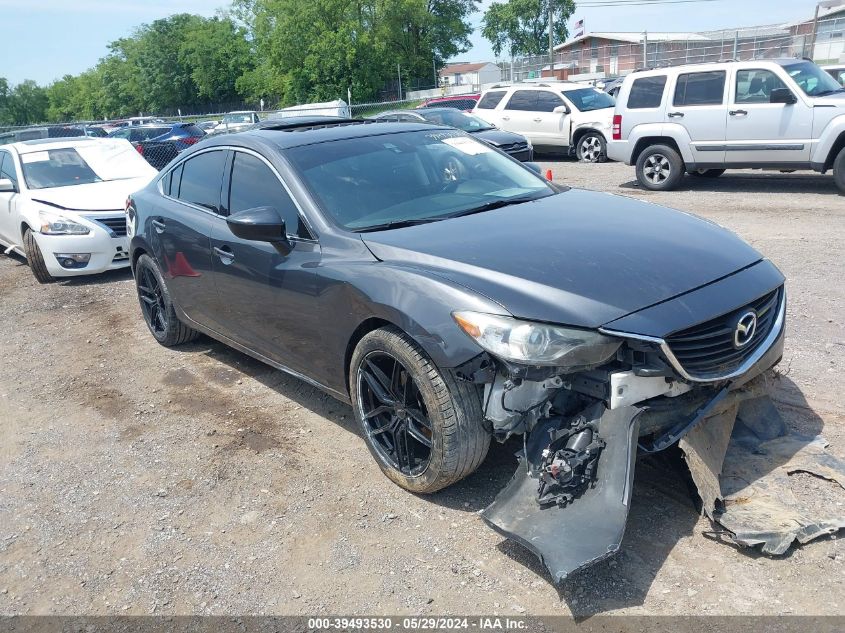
x: 46, y: 39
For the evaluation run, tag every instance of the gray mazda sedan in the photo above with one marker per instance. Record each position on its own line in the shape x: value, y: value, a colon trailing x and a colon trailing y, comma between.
x: 452, y: 296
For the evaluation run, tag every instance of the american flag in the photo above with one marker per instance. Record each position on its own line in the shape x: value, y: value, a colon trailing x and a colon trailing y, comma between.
x: 579, y: 28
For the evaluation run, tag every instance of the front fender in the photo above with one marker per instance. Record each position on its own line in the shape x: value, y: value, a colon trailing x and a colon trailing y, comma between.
x: 827, y: 139
x: 418, y: 302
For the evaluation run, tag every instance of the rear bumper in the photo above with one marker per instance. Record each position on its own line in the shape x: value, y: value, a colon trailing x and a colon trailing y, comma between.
x: 619, y: 151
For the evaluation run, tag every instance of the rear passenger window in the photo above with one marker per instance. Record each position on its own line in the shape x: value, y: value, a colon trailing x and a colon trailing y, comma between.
x: 201, y: 178
x: 490, y: 100
x: 523, y: 100
x: 698, y: 89
x: 254, y: 184
x: 647, y: 92
x: 547, y: 101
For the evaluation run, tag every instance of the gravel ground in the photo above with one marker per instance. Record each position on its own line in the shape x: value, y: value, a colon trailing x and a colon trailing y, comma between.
x: 136, y: 479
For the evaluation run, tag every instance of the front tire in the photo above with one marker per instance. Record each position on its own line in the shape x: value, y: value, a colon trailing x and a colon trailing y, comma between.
x: 35, y: 259
x: 422, y: 425
x: 839, y: 170
x: 157, y: 306
x: 660, y: 168
x: 591, y: 148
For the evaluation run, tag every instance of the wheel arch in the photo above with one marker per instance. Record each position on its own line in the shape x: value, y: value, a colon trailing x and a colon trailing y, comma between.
x: 647, y: 141
x: 838, y: 146
x: 580, y: 133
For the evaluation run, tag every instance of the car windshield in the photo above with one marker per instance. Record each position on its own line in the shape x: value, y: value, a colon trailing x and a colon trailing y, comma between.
x: 237, y: 118
x: 456, y: 118
x: 95, y: 162
x: 586, y: 99
x: 393, y: 180
x: 811, y: 79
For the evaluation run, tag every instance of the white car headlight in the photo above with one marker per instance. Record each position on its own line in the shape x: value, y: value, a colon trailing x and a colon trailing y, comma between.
x: 54, y: 224
x: 536, y: 343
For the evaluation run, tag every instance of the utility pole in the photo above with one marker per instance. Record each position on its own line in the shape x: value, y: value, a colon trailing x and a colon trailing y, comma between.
x: 645, y: 49
x: 812, y: 54
x: 434, y: 69
x: 551, y: 40
x: 399, y: 72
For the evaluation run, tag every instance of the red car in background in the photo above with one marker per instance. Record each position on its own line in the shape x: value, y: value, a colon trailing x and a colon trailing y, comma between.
x: 460, y: 102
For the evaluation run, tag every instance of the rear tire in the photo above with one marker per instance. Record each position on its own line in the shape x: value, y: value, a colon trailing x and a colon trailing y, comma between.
x: 591, y: 148
x: 839, y: 170
x: 157, y: 306
x: 706, y: 173
x: 35, y: 259
x: 434, y: 436
x: 660, y: 168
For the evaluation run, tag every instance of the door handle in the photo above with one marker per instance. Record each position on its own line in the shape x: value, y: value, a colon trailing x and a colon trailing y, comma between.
x: 225, y: 254
x: 538, y: 120
x: 159, y: 226
x: 506, y: 118
x: 738, y: 112
x: 679, y: 115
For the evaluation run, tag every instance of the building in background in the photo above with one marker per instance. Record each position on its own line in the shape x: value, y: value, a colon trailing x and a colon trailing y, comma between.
x: 597, y: 55
x: 470, y: 74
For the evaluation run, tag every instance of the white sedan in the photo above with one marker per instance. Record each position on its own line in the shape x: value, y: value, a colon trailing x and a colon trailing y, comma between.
x: 62, y: 203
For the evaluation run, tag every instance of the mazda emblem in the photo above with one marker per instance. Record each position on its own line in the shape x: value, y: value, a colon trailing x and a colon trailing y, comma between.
x: 746, y: 326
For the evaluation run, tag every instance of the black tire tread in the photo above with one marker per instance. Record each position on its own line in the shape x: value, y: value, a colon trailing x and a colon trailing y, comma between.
x: 675, y: 160
x: 35, y: 259
x: 464, y: 440
x: 839, y: 170
x: 177, y: 332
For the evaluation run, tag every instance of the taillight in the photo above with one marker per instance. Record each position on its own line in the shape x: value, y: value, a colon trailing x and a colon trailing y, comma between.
x: 617, y: 127
x: 140, y: 149
x: 190, y: 140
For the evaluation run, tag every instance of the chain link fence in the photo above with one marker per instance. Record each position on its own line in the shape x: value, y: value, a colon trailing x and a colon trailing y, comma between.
x: 606, y: 55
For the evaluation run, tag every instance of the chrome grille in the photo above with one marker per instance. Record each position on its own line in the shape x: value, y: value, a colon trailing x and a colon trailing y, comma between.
x: 513, y: 148
x: 707, y: 350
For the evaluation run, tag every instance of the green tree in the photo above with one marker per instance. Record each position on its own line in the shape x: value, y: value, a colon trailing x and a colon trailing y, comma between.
x: 217, y: 53
x: 521, y: 27
x: 23, y: 104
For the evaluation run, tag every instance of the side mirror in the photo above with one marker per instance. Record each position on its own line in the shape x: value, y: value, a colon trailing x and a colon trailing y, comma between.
x: 535, y: 167
x: 561, y: 110
x: 7, y: 186
x: 782, y: 95
x: 260, y: 224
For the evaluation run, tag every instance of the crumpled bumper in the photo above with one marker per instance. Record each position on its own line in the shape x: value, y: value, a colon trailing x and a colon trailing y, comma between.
x: 740, y: 454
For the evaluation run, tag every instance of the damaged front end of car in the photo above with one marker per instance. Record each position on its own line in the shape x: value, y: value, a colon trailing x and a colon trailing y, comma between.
x: 587, y: 403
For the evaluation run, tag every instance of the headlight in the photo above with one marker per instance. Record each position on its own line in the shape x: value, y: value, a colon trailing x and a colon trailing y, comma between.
x: 537, y: 343
x: 53, y: 224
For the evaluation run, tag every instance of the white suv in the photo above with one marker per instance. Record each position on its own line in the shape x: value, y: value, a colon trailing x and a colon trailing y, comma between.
x: 784, y: 114
x: 556, y: 115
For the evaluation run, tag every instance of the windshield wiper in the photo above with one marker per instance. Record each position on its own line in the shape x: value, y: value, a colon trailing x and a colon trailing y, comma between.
x: 824, y: 93
x: 495, y: 204
x: 398, y: 224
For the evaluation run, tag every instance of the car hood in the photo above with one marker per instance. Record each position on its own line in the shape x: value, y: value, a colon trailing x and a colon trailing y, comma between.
x: 498, y: 138
x: 836, y: 99
x: 97, y: 196
x: 578, y: 258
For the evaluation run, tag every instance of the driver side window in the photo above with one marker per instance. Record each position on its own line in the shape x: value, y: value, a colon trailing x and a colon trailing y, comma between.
x: 254, y: 184
x: 755, y: 86
x: 7, y: 168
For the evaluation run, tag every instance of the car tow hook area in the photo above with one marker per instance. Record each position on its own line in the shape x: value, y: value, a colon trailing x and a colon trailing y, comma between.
x: 571, y: 518
x: 741, y: 462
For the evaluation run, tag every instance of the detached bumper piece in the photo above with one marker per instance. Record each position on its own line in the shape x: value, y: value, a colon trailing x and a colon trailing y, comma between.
x: 568, y: 501
x: 741, y: 463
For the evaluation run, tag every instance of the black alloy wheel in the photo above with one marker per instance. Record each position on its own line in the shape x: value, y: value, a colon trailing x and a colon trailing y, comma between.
x: 394, y: 415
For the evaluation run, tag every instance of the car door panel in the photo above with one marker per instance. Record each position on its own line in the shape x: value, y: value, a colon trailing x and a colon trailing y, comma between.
x: 760, y: 132
x: 697, y: 104
x: 180, y: 231
x: 9, y: 201
x: 267, y: 298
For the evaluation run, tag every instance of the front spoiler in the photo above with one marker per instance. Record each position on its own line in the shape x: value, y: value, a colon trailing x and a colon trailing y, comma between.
x: 593, y: 525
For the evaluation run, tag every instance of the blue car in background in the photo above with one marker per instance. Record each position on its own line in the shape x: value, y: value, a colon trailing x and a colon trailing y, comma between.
x: 160, y: 143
